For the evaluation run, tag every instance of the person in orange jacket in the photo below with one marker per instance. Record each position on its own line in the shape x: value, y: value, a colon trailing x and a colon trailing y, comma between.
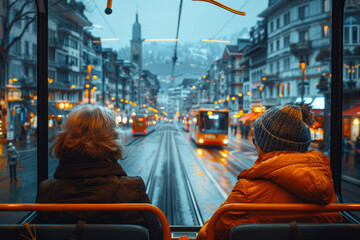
x: 285, y: 172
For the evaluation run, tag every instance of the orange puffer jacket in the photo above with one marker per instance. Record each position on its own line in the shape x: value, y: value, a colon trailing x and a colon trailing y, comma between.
x: 280, y: 177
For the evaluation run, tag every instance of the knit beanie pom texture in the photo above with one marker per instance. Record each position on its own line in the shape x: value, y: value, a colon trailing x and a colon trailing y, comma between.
x: 284, y: 128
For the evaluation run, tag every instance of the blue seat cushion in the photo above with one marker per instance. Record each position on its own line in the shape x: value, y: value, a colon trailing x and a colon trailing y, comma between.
x: 65, y: 231
x: 283, y: 231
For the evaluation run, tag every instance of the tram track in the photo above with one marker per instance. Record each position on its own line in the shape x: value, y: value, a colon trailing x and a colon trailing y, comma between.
x: 168, y: 173
x: 194, y: 205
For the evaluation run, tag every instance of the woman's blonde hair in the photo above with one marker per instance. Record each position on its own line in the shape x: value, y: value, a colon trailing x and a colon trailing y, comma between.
x: 90, y: 132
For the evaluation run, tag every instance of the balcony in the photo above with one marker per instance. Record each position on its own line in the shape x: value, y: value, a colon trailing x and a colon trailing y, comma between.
x: 64, y: 66
x: 271, y: 101
x: 301, y: 47
x: 56, y: 43
x: 270, y: 79
x: 29, y: 59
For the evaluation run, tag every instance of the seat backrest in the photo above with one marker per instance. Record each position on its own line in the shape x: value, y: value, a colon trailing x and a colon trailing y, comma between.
x: 283, y: 231
x: 65, y: 231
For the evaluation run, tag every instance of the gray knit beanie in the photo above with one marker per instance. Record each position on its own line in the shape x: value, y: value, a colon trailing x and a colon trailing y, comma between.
x: 284, y: 128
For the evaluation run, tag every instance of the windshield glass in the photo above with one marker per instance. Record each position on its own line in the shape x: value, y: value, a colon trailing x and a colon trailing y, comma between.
x: 214, y: 122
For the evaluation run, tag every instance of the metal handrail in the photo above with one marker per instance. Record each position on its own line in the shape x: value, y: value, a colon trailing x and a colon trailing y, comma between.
x: 297, y: 207
x: 93, y: 207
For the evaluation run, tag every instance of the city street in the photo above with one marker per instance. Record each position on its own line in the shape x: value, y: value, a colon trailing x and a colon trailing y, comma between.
x: 187, y: 182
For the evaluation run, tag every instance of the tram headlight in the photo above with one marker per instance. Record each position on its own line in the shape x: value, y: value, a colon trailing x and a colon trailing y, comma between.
x: 225, y: 141
x: 201, y: 140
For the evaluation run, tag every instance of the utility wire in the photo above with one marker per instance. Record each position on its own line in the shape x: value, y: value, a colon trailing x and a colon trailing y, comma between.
x: 176, y: 43
x: 222, y: 28
x: 107, y: 23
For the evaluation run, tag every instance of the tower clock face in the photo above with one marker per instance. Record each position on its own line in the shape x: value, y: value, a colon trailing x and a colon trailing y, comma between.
x: 135, y: 49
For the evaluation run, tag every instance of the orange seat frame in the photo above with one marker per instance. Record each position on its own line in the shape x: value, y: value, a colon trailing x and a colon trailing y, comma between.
x: 298, y: 207
x: 93, y: 207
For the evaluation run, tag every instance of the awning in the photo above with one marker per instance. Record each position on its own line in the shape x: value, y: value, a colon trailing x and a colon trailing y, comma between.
x: 352, y: 112
x: 317, y: 112
x: 250, y: 116
x: 52, y: 110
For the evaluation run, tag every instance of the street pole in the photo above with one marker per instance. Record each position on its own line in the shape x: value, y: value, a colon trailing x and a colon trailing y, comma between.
x: 303, y: 67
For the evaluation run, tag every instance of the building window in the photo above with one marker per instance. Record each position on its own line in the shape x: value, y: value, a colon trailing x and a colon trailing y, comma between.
x: 73, y: 44
x: 27, y: 52
x: 346, y: 35
x: 354, y: 33
x: 325, y: 5
x: 271, y: 26
x: 271, y: 47
x: 277, y: 23
x: 303, y: 12
x: 278, y: 44
x: 303, y: 36
x: 277, y: 66
x: 286, y: 41
x: 286, y: 63
x: 18, y: 47
x: 325, y: 31
x: 351, y: 31
x: 286, y: 18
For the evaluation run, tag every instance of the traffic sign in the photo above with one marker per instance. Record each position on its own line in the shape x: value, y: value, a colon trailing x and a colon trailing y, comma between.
x: 10, y: 135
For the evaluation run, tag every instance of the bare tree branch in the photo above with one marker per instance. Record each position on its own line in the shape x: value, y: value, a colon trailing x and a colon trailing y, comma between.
x: 17, y: 38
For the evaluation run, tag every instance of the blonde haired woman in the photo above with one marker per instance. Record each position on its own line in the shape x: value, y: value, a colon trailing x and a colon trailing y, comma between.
x: 88, y: 172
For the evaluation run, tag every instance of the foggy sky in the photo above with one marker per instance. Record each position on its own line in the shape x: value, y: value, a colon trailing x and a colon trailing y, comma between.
x: 158, y: 19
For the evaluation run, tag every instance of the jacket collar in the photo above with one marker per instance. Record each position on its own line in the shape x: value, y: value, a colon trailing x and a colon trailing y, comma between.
x: 84, y: 169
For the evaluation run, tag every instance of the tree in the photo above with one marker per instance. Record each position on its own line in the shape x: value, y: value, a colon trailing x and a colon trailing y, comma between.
x: 13, y: 14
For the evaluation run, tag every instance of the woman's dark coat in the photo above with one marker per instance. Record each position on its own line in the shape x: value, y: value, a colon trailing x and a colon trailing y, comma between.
x: 84, y: 181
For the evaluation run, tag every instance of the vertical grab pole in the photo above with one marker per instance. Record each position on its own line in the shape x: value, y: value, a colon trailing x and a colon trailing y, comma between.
x: 336, y: 93
x: 42, y: 89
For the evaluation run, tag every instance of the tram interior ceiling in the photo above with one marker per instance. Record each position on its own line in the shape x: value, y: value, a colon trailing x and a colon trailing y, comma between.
x: 259, y: 104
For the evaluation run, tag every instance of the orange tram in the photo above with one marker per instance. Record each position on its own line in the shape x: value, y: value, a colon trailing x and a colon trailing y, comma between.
x: 186, y: 123
x: 142, y: 124
x: 209, y: 126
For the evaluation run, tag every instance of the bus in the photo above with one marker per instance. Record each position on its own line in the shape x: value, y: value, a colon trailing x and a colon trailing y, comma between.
x: 142, y: 124
x: 209, y: 127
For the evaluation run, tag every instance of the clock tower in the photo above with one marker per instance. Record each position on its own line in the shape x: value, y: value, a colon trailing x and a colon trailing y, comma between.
x: 136, y: 41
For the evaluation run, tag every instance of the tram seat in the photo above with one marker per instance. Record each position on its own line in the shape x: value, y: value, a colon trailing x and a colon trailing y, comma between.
x: 90, y: 231
x: 65, y: 231
x: 281, y: 231
x: 284, y: 231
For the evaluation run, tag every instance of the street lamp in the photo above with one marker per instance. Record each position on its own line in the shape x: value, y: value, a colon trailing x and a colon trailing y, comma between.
x: 303, y: 68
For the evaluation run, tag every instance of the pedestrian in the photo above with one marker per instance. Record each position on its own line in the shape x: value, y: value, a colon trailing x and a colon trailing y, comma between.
x: 357, y: 156
x: 88, y: 150
x: 23, y: 132
x: 241, y: 129
x: 285, y: 172
x: 12, y: 160
x: 246, y: 129
x: 232, y: 127
x: 235, y: 129
x: 348, y: 147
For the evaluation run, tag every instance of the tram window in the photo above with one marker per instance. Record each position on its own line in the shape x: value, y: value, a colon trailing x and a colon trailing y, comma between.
x: 18, y: 105
x: 89, y: 63
x: 215, y: 122
x: 351, y: 106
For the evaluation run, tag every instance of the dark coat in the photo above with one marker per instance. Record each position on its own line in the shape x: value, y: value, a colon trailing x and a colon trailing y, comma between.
x: 95, y: 181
